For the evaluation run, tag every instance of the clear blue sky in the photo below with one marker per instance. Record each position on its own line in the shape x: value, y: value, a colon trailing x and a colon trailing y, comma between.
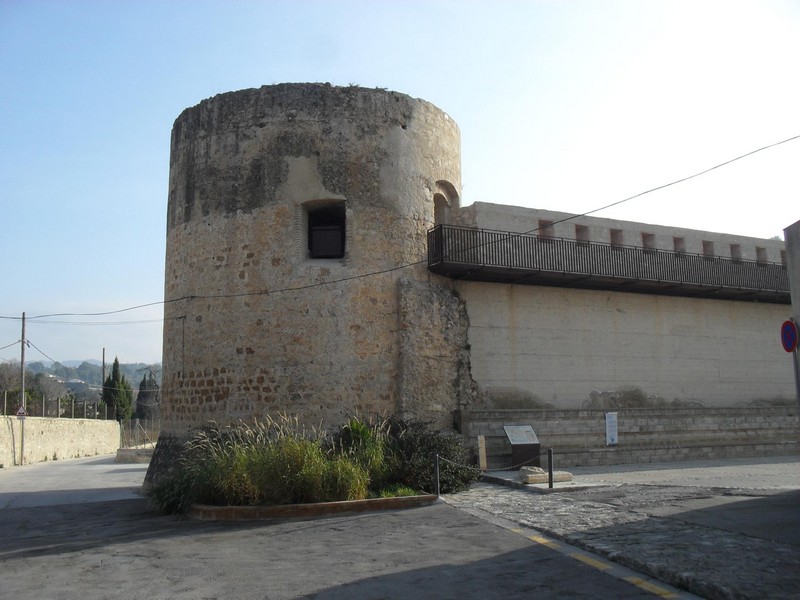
x: 563, y: 105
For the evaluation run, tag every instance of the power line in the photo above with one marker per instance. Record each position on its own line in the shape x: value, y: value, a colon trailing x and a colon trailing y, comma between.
x: 30, y: 343
x: 142, y: 322
x: 9, y: 346
x: 406, y: 265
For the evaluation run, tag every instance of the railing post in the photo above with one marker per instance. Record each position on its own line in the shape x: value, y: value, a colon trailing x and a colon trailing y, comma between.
x: 437, y: 476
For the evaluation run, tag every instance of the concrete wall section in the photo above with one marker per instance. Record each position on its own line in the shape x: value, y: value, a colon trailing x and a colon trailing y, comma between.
x: 55, y: 439
x: 560, y: 344
x: 578, y: 437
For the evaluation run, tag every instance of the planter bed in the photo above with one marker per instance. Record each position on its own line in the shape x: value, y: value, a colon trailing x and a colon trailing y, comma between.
x: 205, y: 512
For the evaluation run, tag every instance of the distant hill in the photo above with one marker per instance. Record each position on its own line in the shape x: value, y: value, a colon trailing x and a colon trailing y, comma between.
x: 91, y: 371
x: 77, y: 363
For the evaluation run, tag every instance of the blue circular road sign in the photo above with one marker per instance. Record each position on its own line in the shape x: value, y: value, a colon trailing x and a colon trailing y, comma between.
x: 789, y: 336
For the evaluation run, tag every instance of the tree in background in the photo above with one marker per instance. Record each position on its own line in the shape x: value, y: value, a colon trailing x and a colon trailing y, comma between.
x: 148, y: 400
x: 117, y: 393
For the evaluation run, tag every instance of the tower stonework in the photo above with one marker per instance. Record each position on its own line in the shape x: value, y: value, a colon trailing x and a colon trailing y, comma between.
x: 295, y: 276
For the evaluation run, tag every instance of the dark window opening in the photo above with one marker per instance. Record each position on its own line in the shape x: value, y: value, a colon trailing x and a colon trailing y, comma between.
x: 326, y: 229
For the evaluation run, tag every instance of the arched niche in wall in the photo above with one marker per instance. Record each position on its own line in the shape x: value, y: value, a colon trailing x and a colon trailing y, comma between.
x: 445, y: 198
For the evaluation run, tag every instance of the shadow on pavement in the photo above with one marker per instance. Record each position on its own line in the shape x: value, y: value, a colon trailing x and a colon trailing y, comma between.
x: 718, y: 546
x: 529, y: 572
x: 774, y: 517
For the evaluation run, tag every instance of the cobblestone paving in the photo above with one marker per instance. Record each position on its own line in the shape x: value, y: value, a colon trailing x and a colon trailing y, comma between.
x: 614, y: 522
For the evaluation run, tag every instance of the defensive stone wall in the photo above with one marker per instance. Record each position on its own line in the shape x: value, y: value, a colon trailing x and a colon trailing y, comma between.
x: 578, y: 437
x: 560, y: 344
x: 297, y: 225
x: 55, y: 439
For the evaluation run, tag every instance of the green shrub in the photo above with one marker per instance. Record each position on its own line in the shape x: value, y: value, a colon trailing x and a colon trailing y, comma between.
x: 365, y: 443
x: 345, y: 480
x: 278, y: 462
x: 396, y: 490
x: 416, y: 445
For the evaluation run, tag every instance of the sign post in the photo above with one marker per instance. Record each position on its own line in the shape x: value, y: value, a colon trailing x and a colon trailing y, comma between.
x: 21, y: 414
x: 612, y: 438
x: 525, y: 445
x: 789, y: 343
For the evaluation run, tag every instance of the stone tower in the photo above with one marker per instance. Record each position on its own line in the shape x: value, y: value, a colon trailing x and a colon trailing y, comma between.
x: 295, y: 273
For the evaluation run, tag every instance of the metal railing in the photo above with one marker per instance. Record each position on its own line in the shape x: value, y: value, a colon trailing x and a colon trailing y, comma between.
x: 487, y: 255
x: 139, y: 433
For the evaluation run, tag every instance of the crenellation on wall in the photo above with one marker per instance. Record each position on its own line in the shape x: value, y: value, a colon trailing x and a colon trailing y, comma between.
x: 627, y: 233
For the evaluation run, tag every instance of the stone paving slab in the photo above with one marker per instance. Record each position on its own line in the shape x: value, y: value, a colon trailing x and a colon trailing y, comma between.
x: 617, y: 522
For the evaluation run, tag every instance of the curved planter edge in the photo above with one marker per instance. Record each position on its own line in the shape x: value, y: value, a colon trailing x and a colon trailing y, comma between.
x: 205, y: 512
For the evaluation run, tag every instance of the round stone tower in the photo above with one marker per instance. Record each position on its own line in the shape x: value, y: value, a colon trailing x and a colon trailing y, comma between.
x: 295, y: 273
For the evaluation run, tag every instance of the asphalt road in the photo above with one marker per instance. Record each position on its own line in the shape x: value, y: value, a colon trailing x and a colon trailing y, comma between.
x: 79, y: 529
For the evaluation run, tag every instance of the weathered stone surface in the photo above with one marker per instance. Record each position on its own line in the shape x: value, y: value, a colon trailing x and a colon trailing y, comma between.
x: 253, y: 325
x: 539, y: 475
x: 55, y: 439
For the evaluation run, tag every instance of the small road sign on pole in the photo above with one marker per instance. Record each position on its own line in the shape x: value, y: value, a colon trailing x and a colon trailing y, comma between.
x: 789, y: 336
x: 21, y: 412
x: 789, y: 343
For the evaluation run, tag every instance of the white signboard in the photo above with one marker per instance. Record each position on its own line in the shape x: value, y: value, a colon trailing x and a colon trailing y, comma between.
x: 611, y: 429
x: 520, y: 434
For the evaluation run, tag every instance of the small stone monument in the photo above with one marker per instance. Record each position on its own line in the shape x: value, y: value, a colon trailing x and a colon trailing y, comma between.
x: 538, y: 475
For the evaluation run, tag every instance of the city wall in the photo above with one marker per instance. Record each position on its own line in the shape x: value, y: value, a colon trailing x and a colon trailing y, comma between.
x: 55, y: 439
x: 578, y: 437
x: 560, y: 344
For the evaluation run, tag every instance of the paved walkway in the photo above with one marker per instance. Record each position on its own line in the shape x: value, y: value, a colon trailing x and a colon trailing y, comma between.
x: 723, y: 529
x: 720, y: 529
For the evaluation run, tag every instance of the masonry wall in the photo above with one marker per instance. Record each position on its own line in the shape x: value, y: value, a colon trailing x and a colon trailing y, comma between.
x: 55, y: 439
x: 578, y: 438
x: 560, y: 344
x: 254, y: 325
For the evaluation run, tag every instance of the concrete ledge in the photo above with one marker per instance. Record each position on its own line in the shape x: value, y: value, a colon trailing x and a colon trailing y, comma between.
x: 511, y: 479
x: 204, y: 512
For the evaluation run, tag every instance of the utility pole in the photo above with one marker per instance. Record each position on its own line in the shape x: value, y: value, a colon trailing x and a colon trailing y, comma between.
x: 22, y: 396
x: 102, y: 387
x: 22, y: 366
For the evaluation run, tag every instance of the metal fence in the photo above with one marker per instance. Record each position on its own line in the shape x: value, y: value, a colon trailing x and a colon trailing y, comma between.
x: 139, y: 433
x: 480, y: 252
x: 140, y: 430
x: 57, y: 408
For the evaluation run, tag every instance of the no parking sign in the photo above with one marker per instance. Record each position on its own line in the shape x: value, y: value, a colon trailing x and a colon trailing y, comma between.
x: 789, y: 336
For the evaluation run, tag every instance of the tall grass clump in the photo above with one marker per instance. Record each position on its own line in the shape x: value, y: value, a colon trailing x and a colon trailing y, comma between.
x: 264, y: 463
x: 278, y: 462
x: 365, y: 442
